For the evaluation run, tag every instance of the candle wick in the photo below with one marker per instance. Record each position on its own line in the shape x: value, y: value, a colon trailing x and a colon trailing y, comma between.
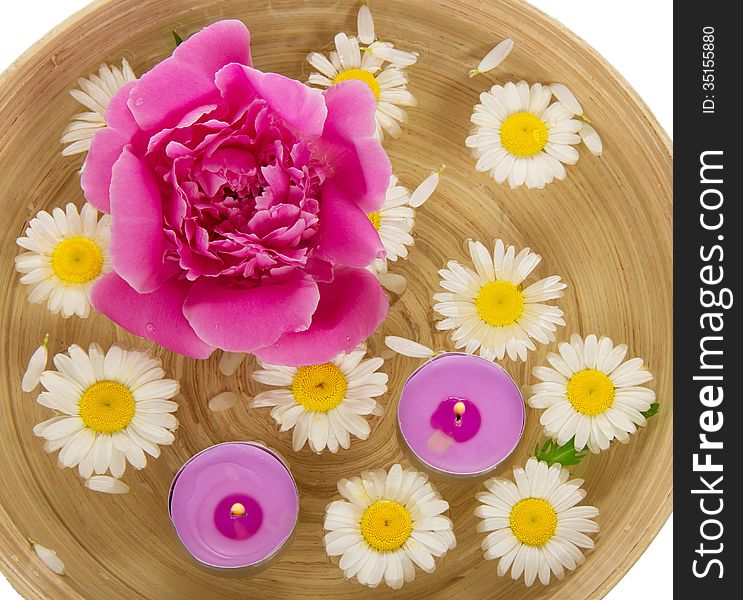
x: 459, y: 409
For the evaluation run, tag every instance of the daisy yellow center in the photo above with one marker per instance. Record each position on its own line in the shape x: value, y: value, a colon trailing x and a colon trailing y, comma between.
x: 107, y: 407
x: 590, y: 392
x: 533, y: 521
x: 500, y: 303
x: 319, y: 388
x: 77, y: 260
x: 386, y: 525
x: 360, y: 75
x: 375, y: 218
x: 523, y: 134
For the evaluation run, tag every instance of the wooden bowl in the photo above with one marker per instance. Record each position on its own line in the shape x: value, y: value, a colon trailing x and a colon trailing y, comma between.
x: 606, y: 230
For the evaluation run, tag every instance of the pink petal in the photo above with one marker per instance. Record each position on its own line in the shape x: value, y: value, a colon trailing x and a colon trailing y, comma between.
x: 362, y: 167
x: 298, y: 105
x: 157, y: 316
x: 347, y: 236
x: 137, y: 239
x: 186, y: 79
x: 243, y: 320
x: 350, y: 310
x: 106, y: 149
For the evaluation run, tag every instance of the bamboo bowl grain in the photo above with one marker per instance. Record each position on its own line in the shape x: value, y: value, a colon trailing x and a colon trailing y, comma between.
x: 606, y: 230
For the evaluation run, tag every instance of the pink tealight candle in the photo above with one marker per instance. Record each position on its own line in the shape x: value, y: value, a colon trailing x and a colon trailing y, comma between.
x: 234, y: 505
x: 460, y: 415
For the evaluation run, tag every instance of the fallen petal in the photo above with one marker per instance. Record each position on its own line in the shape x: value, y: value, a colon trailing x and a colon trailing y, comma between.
x: 36, y: 366
x: 393, y: 283
x: 566, y: 98
x: 493, y: 58
x: 427, y: 187
x: 230, y: 362
x: 591, y: 139
x: 49, y: 558
x: 107, y: 485
x: 408, y: 347
x: 223, y: 401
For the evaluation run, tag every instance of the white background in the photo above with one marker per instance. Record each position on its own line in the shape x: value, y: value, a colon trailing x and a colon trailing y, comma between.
x: 640, y: 49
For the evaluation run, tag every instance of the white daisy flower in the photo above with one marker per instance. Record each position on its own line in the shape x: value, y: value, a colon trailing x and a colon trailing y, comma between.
x: 113, y: 407
x: 48, y: 557
x: 591, y: 393
x: 490, y: 311
x: 94, y: 94
x: 67, y: 253
x: 324, y: 404
x: 536, y: 526
x: 36, y: 366
x: 378, y: 64
x: 388, y: 523
x: 522, y: 136
x: 395, y: 219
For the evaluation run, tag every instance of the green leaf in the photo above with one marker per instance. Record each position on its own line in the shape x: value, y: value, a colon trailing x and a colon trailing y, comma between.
x: 566, y: 455
x: 652, y: 411
x: 178, y: 39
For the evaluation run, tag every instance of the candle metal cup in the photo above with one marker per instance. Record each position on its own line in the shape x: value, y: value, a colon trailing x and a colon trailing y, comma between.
x: 459, y: 417
x: 236, y: 515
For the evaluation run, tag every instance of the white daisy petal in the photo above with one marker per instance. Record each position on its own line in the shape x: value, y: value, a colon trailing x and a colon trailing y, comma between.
x: 494, y: 58
x: 230, y: 362
x: 107, y: 485
x: 36, y: 366
x: 566, y: 98
x: 49, y: 558
x: 365, y: 24
x: 408, y: 347
x: 223, y: 401
x: 591, y: 139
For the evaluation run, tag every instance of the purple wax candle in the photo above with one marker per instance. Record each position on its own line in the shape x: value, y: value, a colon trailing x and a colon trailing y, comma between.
x: 461, y: 415
x: 234, y: 505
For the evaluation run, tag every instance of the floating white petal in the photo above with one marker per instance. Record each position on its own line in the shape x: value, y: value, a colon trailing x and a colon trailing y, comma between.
x: 494, y: 58
x: 223, y: 401
x: 408, y: 347
x: 49, y: 558
x: 365, y: 24
x: 397, y: 284
x: 591, y: 139
x: 36, y: 366
x: 566, y: 98
x: 107, y: 485
x: 426, y: 188
x: 230, y: 362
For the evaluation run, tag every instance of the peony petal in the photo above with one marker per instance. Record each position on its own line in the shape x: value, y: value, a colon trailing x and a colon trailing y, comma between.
x: 300, y: 106
x: 157, y: 316
x: 347, y: 236
x: 106, y: 148
x: 351, y: 308
x: 137, y: 239
x: 362, y: 169
x: 190, y: 71
x: 244, y: 320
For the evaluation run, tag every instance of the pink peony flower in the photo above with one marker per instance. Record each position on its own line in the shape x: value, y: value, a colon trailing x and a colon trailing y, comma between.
x: 239, y: 204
